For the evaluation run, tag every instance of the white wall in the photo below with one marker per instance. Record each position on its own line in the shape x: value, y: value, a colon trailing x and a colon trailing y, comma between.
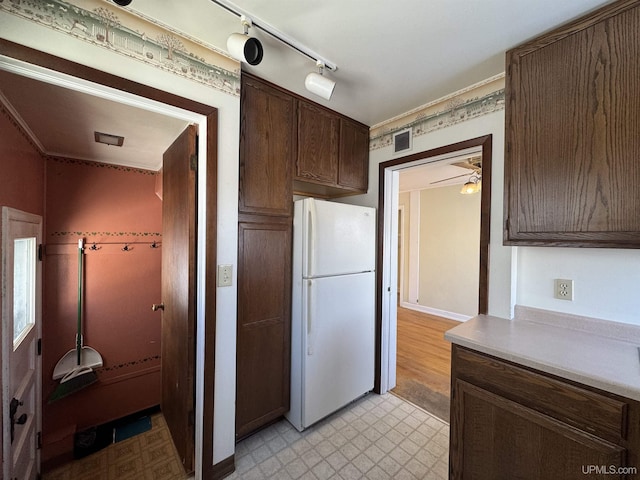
x: 500, y: 257
x: 26, y: 33
x: 449, y: 246
x: 605, y: 280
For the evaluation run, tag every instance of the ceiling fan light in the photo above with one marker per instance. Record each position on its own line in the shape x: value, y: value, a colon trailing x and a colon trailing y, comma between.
x: 472, y: 186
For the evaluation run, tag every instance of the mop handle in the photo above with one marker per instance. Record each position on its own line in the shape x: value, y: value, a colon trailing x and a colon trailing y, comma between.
x: 79, y: 324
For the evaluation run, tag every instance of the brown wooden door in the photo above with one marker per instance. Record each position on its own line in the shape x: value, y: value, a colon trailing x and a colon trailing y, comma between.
x: 178, y: 293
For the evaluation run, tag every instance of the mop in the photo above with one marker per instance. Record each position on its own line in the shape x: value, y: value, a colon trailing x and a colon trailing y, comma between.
x: 75, y: 368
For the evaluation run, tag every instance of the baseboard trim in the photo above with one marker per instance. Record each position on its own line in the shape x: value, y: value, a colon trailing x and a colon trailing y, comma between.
x: 434, y: 311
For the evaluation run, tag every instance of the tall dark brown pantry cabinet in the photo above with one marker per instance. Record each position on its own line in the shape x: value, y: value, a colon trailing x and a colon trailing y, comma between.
x: 288, y: 145
x: 264, y: 255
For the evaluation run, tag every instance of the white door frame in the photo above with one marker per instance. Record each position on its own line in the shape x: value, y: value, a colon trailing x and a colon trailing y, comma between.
x: 61, y: 79
x: 10, y: 219
x: 401, y: 247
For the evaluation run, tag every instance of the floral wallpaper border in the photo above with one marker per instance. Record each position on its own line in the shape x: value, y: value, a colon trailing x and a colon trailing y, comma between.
x: 478, y: 100
x: 132, y: 35
x: 107, y: 166
x: 106, y: 234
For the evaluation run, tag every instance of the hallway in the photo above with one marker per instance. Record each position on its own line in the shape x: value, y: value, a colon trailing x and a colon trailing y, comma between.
x: 423, y: 365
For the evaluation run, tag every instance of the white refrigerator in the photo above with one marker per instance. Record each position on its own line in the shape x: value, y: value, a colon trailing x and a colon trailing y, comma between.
x: 333, y: 308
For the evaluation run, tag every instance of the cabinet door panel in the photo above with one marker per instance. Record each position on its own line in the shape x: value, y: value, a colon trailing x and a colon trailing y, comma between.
x: 495, y: 438
x: 264, y: 324
x: 317, y: 144
x: 266, y: 149
x: 587, y: 410
x: 571, y: 169
x: 353, y: 171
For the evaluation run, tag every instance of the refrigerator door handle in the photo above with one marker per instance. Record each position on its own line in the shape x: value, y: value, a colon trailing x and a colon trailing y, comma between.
x: 309, y: 312
x: 311, y: 241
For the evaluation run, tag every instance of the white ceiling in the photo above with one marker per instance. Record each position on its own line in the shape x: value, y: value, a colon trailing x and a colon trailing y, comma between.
x: 62, y: 123
x: 392, y: 57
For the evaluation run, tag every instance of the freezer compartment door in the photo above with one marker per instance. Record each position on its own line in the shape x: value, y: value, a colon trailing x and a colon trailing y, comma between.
x: 339, y: 353
x: 338, y: 238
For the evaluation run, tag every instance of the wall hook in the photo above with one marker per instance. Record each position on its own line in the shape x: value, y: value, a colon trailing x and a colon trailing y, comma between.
x: 94, y: 247
x: 155, y: 245
x: 127, y: 248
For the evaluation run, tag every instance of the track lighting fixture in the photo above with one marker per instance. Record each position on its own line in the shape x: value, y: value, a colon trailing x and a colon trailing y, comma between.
x: 318, y: 84
x: 315, y: 82
x: 243, y: 47
x: 122, y: 3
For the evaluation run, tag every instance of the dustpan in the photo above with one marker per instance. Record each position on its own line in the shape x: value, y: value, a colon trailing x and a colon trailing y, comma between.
x: 81, y: 358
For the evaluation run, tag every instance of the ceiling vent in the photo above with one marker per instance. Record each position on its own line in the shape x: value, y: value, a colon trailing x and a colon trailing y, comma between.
x: 402, y: 141
x: 109, y: 139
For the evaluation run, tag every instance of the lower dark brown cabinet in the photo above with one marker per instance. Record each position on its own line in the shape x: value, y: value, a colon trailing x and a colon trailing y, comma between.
x: 264, y: 323
x: 508, y: 421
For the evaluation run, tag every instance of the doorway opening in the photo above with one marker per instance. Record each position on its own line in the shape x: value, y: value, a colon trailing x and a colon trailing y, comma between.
x: 438, y: 273
x: 37, y: 65
x: 388, y: 258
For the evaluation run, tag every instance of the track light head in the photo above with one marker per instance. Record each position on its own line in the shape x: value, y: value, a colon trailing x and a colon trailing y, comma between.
x: 122, y: 3
x: 318, y: 84
x: 244, y: 48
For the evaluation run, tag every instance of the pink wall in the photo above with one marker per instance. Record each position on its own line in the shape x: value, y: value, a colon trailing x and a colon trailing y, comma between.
x: 21, y: 169
x: 111, y: 206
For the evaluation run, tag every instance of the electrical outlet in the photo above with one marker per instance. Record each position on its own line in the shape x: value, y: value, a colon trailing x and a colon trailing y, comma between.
x: 563, y: 289
x: 225, y: 275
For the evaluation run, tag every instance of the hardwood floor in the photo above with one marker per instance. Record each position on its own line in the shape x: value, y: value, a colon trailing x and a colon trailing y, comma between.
x: 423, y: 366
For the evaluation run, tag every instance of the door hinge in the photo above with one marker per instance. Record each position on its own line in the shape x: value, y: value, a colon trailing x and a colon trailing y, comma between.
x: 39, y: 347
x: 194, y: 163
x: 192, y: 418
x: 39, y: 441
x: 40, y: 252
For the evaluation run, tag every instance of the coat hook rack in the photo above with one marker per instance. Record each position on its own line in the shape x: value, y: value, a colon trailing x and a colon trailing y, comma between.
x: 127, y: 248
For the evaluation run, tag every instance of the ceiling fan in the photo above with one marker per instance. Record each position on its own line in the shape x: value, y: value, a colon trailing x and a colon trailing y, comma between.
x: 474, y: 163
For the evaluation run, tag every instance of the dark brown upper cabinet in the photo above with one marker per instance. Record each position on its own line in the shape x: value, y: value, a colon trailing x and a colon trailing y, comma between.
x: 572, y: 169
x: 333, y: 153
x: 318, y: 134
x: 353, y: 168
x: 267, y: 149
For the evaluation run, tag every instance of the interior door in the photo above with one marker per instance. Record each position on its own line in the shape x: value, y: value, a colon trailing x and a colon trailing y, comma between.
x: 178, y: 292
x: 21, y: 330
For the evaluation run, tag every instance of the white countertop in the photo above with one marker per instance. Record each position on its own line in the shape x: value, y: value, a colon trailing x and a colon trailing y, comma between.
x: 599, y: 361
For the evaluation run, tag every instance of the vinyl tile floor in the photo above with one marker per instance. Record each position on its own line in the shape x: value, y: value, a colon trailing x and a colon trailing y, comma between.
x: 147, y: 456
x: 376, y: 437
